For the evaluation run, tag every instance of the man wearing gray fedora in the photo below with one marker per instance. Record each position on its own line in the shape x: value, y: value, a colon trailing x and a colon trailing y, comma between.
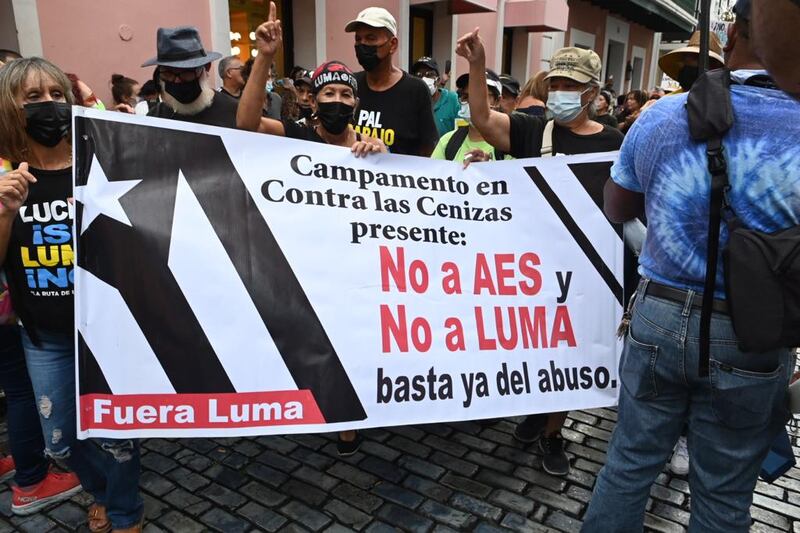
x: 183, y: 67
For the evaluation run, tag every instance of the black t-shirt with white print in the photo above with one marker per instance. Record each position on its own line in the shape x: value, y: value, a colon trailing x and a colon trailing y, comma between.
x: 40, y: 260
x: 401, y: 116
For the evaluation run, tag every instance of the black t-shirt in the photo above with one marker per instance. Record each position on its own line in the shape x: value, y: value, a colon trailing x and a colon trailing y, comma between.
x: 39, y: 261
x: 295, y: 130
x: 224, y: 91
x: 401, y: 116
x: 527, y: 131
x: 607, y: 120
x: 221, y: 112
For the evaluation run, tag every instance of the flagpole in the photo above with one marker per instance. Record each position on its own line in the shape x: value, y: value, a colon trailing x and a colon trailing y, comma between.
x: 704, y: 23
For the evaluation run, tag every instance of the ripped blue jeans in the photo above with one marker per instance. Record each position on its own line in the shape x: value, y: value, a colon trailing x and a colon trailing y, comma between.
x: 108, y: 469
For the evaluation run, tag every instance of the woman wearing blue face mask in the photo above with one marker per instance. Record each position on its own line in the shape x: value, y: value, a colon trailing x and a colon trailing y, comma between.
x: 574, y: 83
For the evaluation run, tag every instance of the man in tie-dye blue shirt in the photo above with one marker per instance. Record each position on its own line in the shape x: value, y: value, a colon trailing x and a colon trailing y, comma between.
x: 733, y: 412
x: 660, y: 159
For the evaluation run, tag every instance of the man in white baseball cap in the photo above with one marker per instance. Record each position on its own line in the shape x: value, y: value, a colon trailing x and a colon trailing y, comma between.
x: 394, y: 106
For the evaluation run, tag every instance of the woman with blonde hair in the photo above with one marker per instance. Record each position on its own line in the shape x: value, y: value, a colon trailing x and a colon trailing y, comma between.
x: 36, y: 250
x: 533, y: 95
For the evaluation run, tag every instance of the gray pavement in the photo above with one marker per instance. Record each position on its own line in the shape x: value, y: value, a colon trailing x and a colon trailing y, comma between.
x: 443, y: 477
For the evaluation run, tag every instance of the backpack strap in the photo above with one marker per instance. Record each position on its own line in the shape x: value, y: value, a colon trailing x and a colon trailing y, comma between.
x: 455, y: 142
x: 710, y: 117
x: 547, y: 139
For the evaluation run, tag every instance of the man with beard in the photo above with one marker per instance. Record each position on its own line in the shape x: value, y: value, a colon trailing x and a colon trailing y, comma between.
x: 183, y: 79
x: 394, y: 106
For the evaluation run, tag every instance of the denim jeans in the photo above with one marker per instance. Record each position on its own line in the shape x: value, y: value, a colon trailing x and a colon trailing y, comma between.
x: 24, y: 432
x: 108, y: 469
x: 733, y: 415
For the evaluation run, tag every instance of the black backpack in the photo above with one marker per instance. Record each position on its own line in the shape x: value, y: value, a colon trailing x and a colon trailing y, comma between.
x: 457, y: 139
x: 762, y: 270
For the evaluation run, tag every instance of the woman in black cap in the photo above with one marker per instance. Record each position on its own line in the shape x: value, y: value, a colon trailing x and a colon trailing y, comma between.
x: 334, y: 100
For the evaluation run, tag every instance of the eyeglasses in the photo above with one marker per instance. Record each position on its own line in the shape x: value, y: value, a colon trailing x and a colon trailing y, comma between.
x: 184, y: 74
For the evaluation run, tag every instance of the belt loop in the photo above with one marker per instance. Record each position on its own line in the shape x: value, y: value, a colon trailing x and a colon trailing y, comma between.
x: 642, y: 290
x: 687, y: 306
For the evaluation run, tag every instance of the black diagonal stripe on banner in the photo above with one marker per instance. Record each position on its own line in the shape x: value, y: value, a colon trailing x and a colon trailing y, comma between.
x: 269, y: 279
x: 580, y: 238
x: 593, y: 177
x: 135, y: 262
x: 92, y: 379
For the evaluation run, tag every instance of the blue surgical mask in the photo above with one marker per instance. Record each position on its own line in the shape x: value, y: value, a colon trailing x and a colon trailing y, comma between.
x: 565, y: 105
x: 270, y: 86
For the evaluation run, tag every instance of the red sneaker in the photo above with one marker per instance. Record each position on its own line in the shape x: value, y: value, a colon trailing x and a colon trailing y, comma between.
x: 7, y: 468
x: 54, y: 488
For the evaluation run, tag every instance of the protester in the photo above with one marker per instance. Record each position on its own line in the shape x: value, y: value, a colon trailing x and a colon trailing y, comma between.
x: 633, y: 107
x: 8, y: 55
x: 333, y: 100
x: 609, y: 87
x: 466, y: 144
x: 734, y: 414
x: 303, y: 88
x: 393, y: 106
x: 508, y: 100
x: 35, y: 117
x: 574, y: 80
x: 602, y: 107
x: 776, y: 39
x: 656, y: 93
x: 36, y: 487
x: 230, y: 72
x: 445, y: 103
x: 290, y: 110
x: 533, y: 95
x: 274, y: 104
x: 148, y: 98
x: 124, y: 93
x: 183, y: 77
x: 682, y: 64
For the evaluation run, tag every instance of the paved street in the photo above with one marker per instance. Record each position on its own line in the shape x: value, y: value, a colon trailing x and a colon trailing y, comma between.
x: 443, y: 477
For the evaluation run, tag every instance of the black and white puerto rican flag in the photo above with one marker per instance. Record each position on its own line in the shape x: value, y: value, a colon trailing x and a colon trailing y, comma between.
x: 156, y: 196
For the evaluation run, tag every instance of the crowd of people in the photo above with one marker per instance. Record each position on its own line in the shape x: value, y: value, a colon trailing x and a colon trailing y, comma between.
x: 726, y: 421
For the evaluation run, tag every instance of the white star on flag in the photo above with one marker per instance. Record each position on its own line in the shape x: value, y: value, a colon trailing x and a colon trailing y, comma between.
x: 101, y: 197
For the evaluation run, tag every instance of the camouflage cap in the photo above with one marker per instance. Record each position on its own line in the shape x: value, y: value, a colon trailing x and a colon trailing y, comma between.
x: 576, y: 64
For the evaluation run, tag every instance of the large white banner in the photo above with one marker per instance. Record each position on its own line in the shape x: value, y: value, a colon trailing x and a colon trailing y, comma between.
x: 232, y: 283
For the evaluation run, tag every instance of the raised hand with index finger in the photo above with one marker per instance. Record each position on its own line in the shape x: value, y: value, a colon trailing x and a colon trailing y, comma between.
x: 470, y: 47
x: 269, y: 35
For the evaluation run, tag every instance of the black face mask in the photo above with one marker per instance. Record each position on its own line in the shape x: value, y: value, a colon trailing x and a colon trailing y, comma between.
x: 48, y: 122
x: 305, y: 112
x: 186, y: 92
x: 334, y: 116
x: 367, y: 56
x: 687, y: 76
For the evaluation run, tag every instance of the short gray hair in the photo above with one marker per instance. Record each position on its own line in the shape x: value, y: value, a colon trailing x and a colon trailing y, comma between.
x: 592, y: 107
x: 224, y: 64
